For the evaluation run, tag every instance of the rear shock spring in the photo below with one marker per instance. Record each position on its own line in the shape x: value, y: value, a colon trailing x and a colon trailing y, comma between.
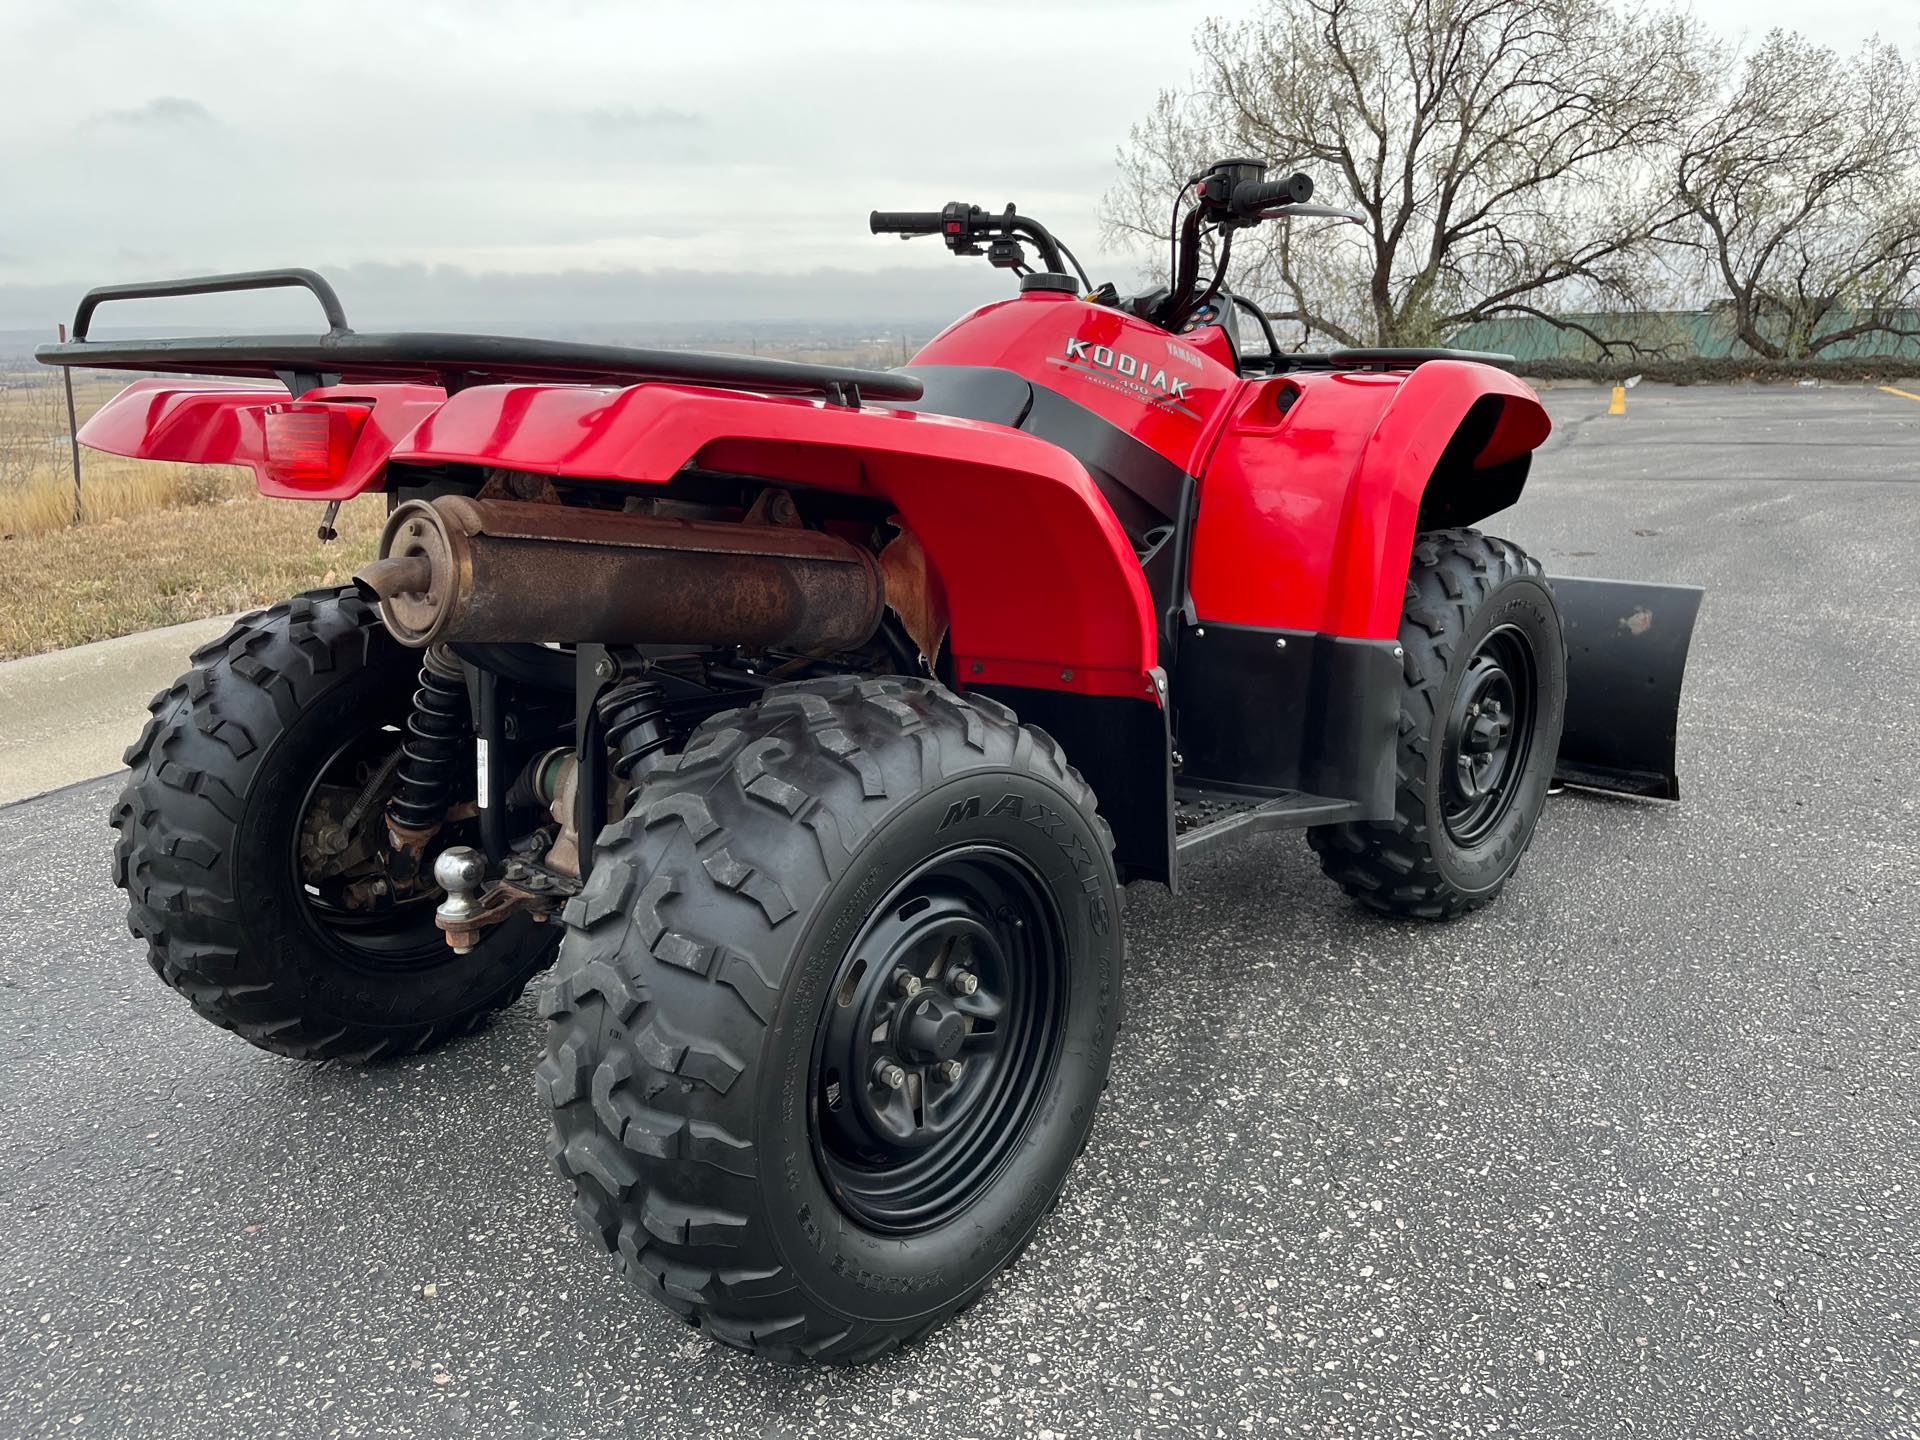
x: 432, y: 752
x: 635, y: 714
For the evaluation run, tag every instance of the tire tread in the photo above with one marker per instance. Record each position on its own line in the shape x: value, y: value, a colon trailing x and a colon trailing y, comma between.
x: 1389, y: 865
x: 176, y: 818
x: 657, y: 1083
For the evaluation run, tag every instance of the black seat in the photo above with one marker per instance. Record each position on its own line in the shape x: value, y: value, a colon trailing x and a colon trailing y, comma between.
x: 971, y: 392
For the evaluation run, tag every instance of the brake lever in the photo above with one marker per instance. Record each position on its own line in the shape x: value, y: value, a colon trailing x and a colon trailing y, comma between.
x: 1312, y: 212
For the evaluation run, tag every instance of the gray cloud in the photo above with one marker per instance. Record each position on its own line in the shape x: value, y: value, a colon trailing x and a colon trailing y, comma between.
x: 653, y: 118
x: 518, y: 165
x: 161, y: 110
x: 544, y: 146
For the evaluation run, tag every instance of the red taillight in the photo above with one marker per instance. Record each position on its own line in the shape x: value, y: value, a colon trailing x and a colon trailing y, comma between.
x: 309, y: 445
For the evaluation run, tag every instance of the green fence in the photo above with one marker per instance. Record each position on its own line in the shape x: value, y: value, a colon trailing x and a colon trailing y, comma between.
x: 1671, y: 335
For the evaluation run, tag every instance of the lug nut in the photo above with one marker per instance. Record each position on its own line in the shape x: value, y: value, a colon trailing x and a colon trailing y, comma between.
x: 886, y: 1073
x: 907, y: 983
x: 950, y: 1071
x: 965, y: 982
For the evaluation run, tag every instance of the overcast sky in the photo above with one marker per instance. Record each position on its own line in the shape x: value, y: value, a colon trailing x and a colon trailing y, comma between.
x: 501, y: 162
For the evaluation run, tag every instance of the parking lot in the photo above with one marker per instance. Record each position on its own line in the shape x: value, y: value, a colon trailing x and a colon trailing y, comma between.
x: 1635, y: 1151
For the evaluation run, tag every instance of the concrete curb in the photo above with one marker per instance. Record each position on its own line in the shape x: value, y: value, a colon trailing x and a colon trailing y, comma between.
x: 68, y: 715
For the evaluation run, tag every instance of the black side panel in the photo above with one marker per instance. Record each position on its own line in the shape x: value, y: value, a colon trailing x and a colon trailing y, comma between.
x: 1165, y: 564
x: 1153, y: 499
x: 1120, y: 746
x: 1141, y: 483
x: 1269, y: 710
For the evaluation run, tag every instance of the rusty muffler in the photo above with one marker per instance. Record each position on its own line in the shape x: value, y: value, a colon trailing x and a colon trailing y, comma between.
x: 458, y: 569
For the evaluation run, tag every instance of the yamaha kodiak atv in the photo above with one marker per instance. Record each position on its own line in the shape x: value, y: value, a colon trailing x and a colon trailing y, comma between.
x: 817, y: 715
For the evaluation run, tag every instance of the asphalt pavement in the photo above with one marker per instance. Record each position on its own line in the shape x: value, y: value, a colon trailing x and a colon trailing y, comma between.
x: 1634, y: 1152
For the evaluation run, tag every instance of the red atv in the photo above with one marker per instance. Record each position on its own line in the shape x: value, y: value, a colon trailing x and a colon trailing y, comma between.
x: 817, y: 716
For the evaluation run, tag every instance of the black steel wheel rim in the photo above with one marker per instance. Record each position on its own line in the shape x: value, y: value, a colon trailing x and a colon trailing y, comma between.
x: 1489, y: 735
x: 383, y: 937
x: 964, y: 964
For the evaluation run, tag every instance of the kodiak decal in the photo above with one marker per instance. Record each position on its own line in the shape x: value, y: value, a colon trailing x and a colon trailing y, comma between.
x: 1120, y: 370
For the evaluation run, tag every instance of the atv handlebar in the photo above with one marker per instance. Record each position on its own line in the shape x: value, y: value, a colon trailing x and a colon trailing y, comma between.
x: 1229, y: 195
x: 965, y: 226
x: 1250, y: 197
x: 904, y: 222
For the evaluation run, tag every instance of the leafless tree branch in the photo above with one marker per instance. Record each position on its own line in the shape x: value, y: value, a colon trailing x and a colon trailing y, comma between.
x: 1799, y: 184
x: 1503, y: 152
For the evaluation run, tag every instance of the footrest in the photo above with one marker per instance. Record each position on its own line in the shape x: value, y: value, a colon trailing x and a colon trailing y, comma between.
x: 1204, y: 818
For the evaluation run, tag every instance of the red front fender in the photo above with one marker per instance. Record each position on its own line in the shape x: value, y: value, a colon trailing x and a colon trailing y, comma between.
x: 1309, y: 504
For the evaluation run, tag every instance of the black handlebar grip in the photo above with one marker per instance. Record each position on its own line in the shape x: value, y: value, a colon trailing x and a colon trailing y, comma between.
x: 904, y: 222
x: 1257, y: 195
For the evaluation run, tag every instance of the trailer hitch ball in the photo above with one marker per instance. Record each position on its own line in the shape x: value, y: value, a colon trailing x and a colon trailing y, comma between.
x: 459, y: 871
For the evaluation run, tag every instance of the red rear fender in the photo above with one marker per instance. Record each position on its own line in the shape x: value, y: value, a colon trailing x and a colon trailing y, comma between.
x: 223, y: 422
x: 1040, y: 582
x: 1042, y: 586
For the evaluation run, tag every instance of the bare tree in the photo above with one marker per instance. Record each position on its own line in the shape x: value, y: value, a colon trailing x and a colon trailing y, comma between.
x: 1804, y: 181
x: 1506, y: 154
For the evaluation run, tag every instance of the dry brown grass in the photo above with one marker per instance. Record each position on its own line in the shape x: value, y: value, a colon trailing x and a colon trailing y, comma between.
x: 90, y: 582
x: 36, y: 465
x: 114, y: 488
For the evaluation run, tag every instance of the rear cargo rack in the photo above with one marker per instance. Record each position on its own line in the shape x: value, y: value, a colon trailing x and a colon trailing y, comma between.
x: 453, y: 361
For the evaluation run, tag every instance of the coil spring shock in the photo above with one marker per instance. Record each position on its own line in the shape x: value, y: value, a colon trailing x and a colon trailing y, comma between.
x: 635, y: 714
x: 431, y: 754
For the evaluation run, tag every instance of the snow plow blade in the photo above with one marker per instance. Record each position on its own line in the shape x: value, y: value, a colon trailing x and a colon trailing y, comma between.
x: 1626, y: 656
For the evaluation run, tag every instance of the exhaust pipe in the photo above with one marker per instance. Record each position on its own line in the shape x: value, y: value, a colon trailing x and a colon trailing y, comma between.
x: 457, y: 569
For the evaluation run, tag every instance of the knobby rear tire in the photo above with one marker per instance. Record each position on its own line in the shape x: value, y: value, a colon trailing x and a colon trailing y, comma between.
x: 206, y: 829
x: 692, y: 981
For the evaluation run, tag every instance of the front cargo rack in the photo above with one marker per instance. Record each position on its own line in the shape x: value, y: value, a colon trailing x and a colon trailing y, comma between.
x: 452, y: 361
